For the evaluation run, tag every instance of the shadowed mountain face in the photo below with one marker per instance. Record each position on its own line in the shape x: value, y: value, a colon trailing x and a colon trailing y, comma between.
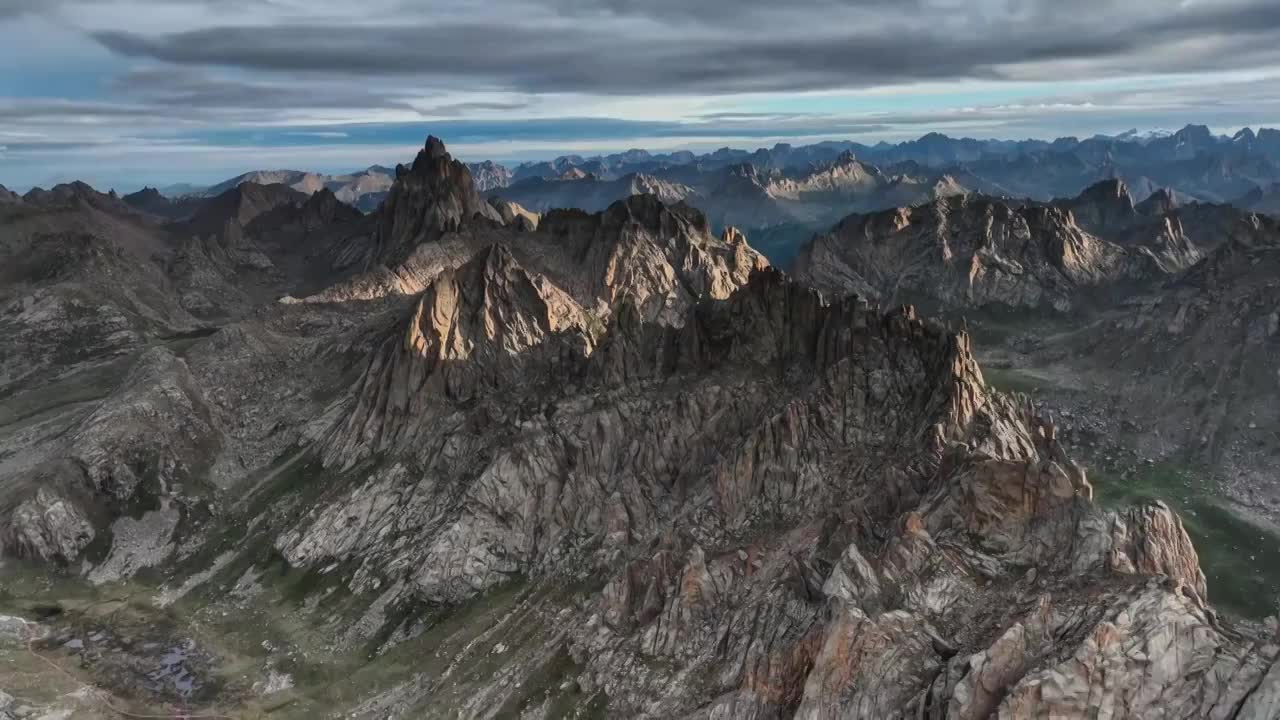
x: 1207, y: 343
x: 149, y: 200
x: 433, y: 196
x: 363, y: 190
x: 460, y: 458
x: 1265, y: 199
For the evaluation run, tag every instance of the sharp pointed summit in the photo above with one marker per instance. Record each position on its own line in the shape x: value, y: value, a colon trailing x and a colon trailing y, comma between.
x: 434, y: 195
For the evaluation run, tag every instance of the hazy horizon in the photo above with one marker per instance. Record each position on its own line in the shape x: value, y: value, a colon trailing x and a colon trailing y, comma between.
x: 471, y: 153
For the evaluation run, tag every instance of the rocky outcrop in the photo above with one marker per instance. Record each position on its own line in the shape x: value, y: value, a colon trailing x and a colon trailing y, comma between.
x: 965, y: 252
x: 254, y: 244
x: 149, y: 200
x: 796, y: 509
x: 71, y: 298
x: 46, y: 524
x: 1265, y: 199
x: 149, y: 442
x: 240, y: 206
x: 1160, y: 202
x: 8, y: 197
x: 1102, y: 208
x: 1205, y: 344
x: 615, y: 464
x: 659, y: 258
x: 489, y: 175
x: 429, y: 198
x: 515, y: 215
x: 590, y: 193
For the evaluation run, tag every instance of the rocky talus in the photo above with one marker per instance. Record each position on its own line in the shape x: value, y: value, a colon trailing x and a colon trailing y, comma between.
x: 1207, y: 344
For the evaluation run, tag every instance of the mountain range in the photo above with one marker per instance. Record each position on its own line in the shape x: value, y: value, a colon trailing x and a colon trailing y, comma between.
x: 268, y: 454
x: 364, y: 189
x: 783, y: 195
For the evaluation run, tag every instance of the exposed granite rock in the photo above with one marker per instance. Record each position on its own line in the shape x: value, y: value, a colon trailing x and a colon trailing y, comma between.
x: 46, y: 526
x: 584, y: 191
x: 515, y: 215
x: 1205, y: 344
x: 489, y: 175
x: 1103, y: 207
x: 1161, y: 202
x: 70, y: 297
x: 145, y: 444
x: 724, y: 495
x: 149, y: 200
x: 963, y: 252
x: 802, y: 510
x: 429, y: 198
x: 969, y: 251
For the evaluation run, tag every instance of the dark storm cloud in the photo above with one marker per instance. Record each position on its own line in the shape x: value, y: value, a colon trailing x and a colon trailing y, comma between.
x: 197, y: 91
x: 564, y: 61
x: 654, y: 48
x: 18, y: 8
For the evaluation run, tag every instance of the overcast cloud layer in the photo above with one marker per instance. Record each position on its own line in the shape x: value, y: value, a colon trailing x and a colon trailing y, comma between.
x: 131, y: 91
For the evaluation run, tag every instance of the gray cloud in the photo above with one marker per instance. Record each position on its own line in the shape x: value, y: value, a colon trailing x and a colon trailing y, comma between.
x: 630, y: 48
x: 465, y: 108
x: 240, y: 72
x: 198, y: 91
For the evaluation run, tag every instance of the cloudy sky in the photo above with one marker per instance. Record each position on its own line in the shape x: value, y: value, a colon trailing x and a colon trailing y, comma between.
x: 127, y: 92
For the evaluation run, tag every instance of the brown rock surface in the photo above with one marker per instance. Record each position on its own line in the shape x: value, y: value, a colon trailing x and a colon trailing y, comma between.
x: 639, y: 472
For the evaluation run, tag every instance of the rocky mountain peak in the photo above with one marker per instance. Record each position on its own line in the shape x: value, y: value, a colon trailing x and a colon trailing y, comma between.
x: 477, y: 329
x: 650, y: 213
x: 743, y: 170
x: 144, y: 196
x: 489, y: 175
x: 493, y: 300
x: 432, y: 161
x: 1104, y: 206
x: 435, y: 195
x: 324, y: 208
x: 7, y: 196
x: 1160, y: 202
x: 240, y: 206
x: 1106, y: 191
x: 973, y: 251
x: 1197, y: 134
x: 515, y: 215
x: 611, y: 464
x: 435, y: 149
